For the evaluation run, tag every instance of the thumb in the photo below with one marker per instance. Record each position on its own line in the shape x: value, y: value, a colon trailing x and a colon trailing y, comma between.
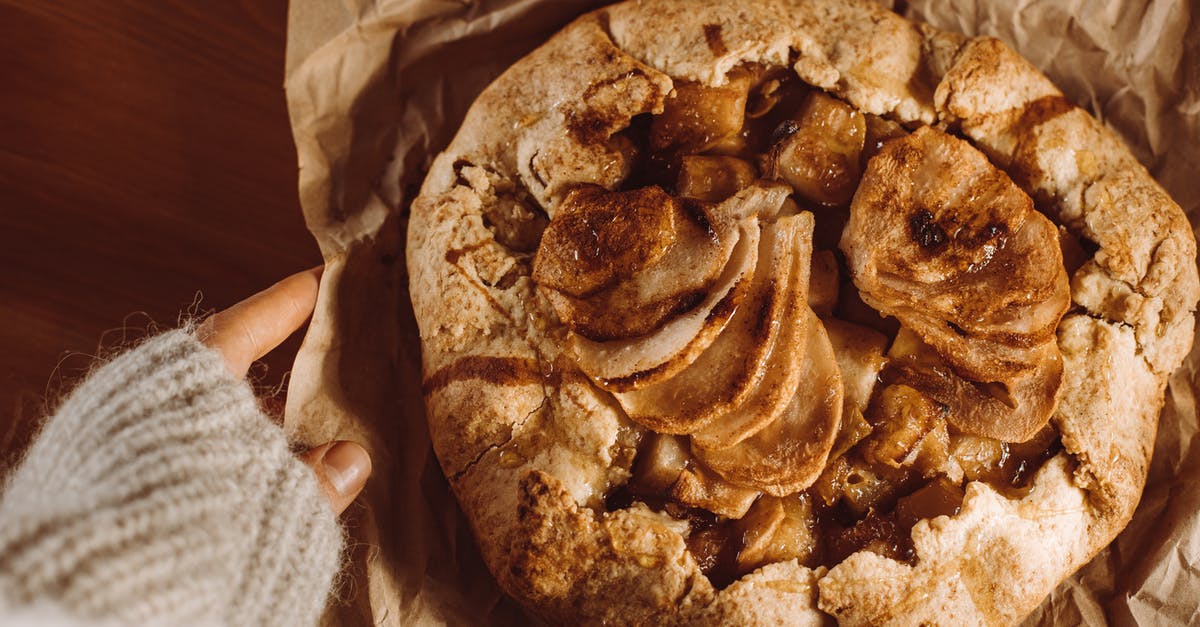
x: 342, y: 469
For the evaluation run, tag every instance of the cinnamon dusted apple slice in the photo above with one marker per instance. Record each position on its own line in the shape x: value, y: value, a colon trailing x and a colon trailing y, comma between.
x: 618, y: 264
x: 946, y: 243
x: 630, y: 364
x: 1012, y: 411
x: 982, y: 321
x: 598, y: 237
x: 625, y: 366
x: 946, y: 240
x: 788, y: 455
x: 725, y: 374
x: 792, y: 250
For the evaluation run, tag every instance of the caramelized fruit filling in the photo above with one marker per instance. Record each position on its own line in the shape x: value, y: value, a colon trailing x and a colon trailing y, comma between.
x: 827, y: 323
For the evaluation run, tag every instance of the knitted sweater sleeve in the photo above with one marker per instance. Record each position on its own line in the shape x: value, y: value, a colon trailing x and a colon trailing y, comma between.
x: 159, y: 494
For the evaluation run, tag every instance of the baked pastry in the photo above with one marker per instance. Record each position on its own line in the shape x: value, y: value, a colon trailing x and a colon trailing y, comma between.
x: 771, y: 312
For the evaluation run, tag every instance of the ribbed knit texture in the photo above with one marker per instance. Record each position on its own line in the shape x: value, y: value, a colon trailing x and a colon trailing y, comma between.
x: 159, y: 494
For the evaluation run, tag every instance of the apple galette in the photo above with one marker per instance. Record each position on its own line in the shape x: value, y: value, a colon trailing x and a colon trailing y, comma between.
x: 780, y: 311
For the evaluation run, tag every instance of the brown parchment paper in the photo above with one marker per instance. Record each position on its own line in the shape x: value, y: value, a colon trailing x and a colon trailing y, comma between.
x: 376, y: 88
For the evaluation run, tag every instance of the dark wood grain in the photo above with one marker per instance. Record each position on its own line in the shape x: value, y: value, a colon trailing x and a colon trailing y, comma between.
x: 145, y: 158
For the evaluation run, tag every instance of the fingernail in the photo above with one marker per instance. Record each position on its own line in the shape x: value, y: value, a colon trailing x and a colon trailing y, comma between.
x: 347, y: 466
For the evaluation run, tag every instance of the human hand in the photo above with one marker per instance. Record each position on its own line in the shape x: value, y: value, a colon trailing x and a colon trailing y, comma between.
x: 252, y: 328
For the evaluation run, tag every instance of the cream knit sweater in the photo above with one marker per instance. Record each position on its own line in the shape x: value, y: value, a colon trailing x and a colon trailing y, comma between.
x: 159, y: 494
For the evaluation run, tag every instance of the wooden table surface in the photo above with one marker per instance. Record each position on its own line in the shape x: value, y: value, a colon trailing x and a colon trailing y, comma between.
x: 145, y: 158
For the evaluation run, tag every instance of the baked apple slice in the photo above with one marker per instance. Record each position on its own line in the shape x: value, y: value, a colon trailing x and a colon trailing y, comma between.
x: 696, y: 117
x: 713, y: 177
x: 789, y: 454
x: 793, y: 250
x: 631, y: 364
x: 817, y: 151
x: 666, y: 469
x: 613, y: 263
x: 945, y: 242
x: 859, y: 351
x: 1011, y: 411
x: 776, y: 530
x: 702, y: 488
x: 724, y: 375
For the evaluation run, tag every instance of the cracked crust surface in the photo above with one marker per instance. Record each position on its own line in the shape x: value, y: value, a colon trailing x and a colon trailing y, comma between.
x: 531, y: 447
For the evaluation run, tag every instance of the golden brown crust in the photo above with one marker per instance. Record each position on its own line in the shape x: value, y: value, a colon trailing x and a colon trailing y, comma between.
x: 531, y: 448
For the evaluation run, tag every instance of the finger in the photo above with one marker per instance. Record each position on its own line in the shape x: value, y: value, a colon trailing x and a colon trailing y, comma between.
x: 251, y: 328
x: 342, y: 469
